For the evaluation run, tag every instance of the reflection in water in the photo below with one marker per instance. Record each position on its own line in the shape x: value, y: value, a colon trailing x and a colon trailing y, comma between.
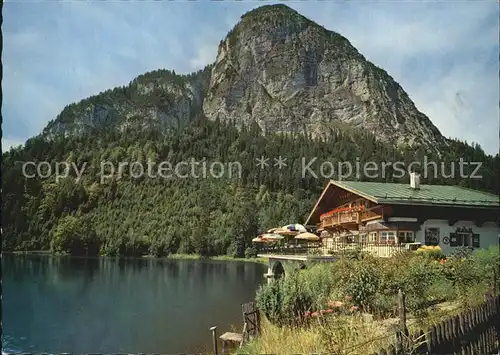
x: 84, y: 305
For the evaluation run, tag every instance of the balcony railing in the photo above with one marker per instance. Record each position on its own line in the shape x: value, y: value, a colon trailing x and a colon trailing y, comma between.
x: 339, y: 219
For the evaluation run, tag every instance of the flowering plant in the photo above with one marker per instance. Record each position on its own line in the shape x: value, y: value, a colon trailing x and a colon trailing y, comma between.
x: 341, y: 209
x: 334, y: 306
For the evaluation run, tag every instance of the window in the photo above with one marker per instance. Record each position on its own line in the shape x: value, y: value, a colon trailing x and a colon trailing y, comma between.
x: 388, y: 237
x: 432, y: 236
x: 373, y: 237
x: 464, y: 239
x: 406, y: 237
x: 363, y: 238
x: 459, y: 239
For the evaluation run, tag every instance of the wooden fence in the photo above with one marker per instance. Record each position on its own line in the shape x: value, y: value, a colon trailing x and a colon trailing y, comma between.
x: 289, y: 249
x: 330, y: 247
x: 377, y: 249
x: 472, y: 332
x: 251, y: 329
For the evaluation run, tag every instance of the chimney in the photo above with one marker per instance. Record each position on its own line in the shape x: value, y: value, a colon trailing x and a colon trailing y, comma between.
x: 414, y: 181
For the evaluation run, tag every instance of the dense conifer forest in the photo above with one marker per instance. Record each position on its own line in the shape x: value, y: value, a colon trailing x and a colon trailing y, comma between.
x: 129, y: 216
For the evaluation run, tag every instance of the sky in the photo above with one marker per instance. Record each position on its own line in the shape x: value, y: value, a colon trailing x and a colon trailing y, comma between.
x: 444, y: 54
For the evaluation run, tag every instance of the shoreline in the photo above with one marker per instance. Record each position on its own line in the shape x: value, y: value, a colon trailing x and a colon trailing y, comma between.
x: 169, y: 257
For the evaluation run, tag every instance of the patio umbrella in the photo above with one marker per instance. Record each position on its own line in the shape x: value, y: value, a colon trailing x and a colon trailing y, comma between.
x: 271, y: 237
x: 308, y: 236
x: 258, y: 240
x: 296, y: 228
x: 272, y: 230
x: 285, y: 231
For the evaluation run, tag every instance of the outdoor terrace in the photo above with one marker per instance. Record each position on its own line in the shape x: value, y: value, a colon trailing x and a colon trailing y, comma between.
x: 336, y: 248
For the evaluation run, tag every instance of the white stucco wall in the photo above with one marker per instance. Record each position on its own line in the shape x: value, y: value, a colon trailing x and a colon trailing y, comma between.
x: 488, y: 232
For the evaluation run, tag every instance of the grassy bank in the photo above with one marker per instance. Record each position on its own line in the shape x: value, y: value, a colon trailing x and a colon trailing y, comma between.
x: 350, y: 306
x: 171, y: 256
x: 32, y: 252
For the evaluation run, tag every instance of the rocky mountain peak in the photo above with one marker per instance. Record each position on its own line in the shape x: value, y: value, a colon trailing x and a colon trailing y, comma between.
x: 288, y: 73
x: 276, y: 68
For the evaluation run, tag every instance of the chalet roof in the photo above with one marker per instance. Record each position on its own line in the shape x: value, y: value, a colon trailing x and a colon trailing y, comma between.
x: 403, y: 194
x: 392, y: 193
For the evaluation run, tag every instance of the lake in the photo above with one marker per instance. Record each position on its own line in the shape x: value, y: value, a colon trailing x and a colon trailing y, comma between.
x: 101, y: 305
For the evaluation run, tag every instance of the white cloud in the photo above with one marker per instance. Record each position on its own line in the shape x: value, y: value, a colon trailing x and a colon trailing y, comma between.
x: 204, y: 55
x: 8, y: 143
x: 206, y: 48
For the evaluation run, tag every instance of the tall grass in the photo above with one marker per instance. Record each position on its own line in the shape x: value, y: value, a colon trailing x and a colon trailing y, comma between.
x: 340, y: 335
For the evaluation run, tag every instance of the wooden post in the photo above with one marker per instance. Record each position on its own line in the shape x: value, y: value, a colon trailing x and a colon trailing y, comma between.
x: 402, y: 338
x: 438, y: 333
x: 421, y: 336
x: 428, y: 340
x: 214, y: 336
x: 243, y: 334
x: 494, y: 284
x: 450, y: 327
x: 434, y: 337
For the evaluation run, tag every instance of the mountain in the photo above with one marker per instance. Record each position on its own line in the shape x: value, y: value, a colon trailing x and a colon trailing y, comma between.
x: 276, y: 68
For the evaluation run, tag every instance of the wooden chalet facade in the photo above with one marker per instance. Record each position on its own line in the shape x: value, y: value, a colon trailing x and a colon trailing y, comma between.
x: 385, y: 217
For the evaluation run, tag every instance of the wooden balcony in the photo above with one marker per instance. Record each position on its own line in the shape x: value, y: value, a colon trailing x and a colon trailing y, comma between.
x: 342, y: 218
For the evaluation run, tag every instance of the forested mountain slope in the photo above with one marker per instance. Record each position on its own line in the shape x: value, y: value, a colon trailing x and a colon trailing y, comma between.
x: 126, y: 215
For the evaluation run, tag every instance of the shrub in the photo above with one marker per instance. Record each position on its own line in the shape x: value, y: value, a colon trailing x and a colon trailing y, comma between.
x: 487, y: 261
x: 251, y: 252
x: 319, y: 282
x: 158, y: 249
x: 284, y: 301
x: 296, y: 299
x: 416, y: 279
x: 269, y: 298
x: 362, y: 283
x: 461, y: 253
x: 74, y: 235
x: 430, y: 252
x: 373, y: 283
x: 384, y: 304
x: 354, y: 254
x: 471, y: 275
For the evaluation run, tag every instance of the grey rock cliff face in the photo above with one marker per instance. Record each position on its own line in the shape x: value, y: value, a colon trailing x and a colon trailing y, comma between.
x: 277, y: 68
x: 288, y: 74
x: 160, y: 99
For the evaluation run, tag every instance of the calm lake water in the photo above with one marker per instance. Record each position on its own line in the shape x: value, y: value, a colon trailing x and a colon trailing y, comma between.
x: 81, y: 305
